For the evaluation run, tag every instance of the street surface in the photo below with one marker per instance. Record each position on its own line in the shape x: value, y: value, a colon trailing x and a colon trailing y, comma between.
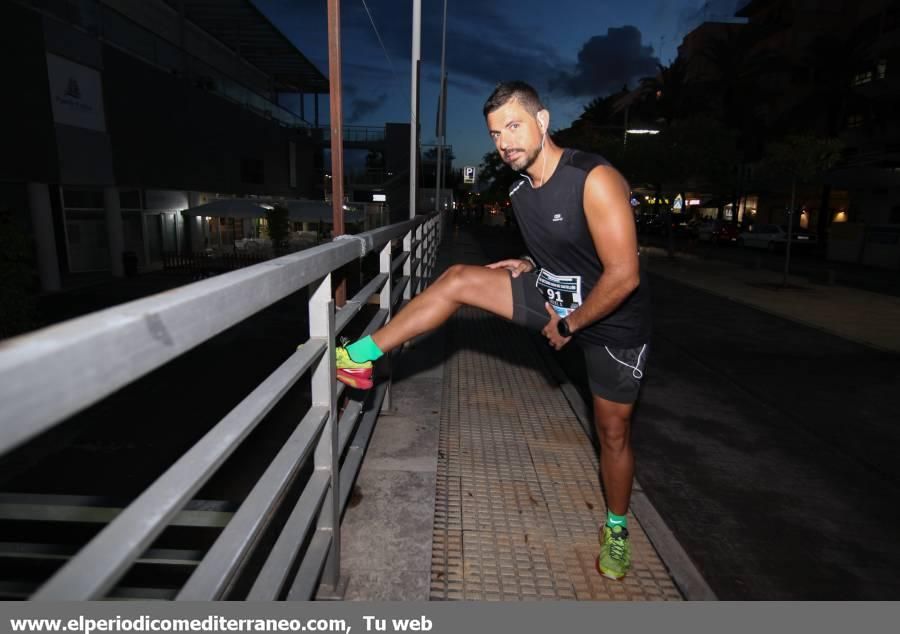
x: 769, y: 448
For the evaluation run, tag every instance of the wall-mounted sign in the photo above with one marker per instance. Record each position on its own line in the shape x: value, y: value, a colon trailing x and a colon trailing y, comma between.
x: 468, y: 174
x: 76, y: 94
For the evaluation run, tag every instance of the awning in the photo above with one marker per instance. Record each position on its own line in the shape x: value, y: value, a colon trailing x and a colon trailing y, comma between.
x: 298, y: 210
x: 240, y: 26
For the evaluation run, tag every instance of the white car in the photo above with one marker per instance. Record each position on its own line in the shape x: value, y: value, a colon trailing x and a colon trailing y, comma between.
x: 772, y: 237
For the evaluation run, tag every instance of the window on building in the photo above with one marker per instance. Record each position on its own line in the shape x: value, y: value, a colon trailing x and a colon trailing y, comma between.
x: 855, y: 121
x: 881, y: 69
x: 862, y: 77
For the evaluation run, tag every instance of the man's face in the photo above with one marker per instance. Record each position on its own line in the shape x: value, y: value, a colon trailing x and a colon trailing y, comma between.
x: 516, y: 134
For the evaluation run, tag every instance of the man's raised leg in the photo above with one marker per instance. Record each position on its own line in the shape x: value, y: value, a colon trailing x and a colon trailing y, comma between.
x: 460, y: 285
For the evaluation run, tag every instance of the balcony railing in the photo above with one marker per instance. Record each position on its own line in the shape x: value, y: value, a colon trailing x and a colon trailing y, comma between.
x: 357, y: 133
x: 48, y: 376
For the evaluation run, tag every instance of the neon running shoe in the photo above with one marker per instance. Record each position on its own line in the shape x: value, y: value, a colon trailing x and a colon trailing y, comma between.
x: 356, y: 375
x: 614, y: 560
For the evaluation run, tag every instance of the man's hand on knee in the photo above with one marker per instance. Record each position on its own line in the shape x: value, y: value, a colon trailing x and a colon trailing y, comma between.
x: 514, y: 265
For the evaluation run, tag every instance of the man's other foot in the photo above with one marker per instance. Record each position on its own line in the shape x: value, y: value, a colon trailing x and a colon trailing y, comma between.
x: 614, y: 560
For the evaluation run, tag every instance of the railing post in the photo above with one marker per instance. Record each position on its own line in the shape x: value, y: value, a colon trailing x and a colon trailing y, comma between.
x: 418, y: 256
x: 385, y: 259
x: 429, y: 249
x: 407, y: 265
x: 436, y: 229
x: 324, y: 394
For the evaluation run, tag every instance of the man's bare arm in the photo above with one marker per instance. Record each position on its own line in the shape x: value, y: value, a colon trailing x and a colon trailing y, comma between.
x: 610, y: 220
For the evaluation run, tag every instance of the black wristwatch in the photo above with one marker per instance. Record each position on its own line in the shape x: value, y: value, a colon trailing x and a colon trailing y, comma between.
x: 562, y: 327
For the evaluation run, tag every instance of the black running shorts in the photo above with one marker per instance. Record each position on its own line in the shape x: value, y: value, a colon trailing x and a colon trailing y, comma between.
x: 614, y: 373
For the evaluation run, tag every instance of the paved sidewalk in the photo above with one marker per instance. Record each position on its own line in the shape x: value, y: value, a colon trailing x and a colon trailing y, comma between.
x: 868, y: 318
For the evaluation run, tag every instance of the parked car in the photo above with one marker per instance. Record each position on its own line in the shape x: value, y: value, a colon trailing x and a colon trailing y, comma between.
x: 650, y: 225
x: 684, y: 226
x: 774, y: 237
x: 718, y: 232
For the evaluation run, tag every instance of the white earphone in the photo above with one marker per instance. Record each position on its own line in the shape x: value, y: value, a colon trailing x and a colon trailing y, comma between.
x: 543, y: 125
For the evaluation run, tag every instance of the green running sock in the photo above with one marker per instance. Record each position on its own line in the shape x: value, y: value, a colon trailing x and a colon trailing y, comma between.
x: 615, y: 520
x: 364, y: 350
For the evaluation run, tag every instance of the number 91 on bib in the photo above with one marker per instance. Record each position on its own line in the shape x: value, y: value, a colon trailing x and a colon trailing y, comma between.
x: 562, y: 291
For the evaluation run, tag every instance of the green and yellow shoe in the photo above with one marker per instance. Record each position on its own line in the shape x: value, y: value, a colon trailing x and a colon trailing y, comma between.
x: 614, y: 560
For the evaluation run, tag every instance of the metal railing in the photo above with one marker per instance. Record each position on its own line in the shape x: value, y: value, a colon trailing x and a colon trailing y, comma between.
x: 357, y: 133
x: 56, y: 372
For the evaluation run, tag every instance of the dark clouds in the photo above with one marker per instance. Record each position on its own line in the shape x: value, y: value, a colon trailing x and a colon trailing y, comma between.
x: 606, y: 62
x: 487, y: 42
x: 362, y: 107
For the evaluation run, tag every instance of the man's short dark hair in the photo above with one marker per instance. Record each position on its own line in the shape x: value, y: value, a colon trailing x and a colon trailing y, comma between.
x: 518, y: 90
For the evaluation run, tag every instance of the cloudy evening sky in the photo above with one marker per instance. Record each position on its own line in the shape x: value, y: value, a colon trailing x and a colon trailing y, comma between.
x: 571, y: 50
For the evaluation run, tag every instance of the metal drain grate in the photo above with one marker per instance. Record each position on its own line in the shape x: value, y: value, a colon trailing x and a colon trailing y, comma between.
x: 519, y: 503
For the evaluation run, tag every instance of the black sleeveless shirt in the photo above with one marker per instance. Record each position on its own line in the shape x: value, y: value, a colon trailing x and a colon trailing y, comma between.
x: 551, y: 219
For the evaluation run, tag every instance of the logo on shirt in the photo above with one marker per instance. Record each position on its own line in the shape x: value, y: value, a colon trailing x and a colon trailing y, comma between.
x: 557, y: 217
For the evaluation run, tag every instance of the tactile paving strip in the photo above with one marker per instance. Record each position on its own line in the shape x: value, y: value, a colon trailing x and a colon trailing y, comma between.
x: 519, y: 503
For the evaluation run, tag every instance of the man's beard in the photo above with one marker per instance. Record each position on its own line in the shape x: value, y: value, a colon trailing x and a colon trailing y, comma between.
x: 524, y: 161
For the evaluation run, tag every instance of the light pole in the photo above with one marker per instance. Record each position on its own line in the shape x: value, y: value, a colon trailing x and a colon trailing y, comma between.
x: 414, y: 101
x: 442, y: 103
x: 790, y: 228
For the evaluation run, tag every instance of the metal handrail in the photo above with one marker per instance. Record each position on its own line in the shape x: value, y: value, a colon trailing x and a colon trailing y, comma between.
x: 86, y: 359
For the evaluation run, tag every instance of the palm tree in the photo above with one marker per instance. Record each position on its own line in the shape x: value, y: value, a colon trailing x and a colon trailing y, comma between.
x: 665, y: 97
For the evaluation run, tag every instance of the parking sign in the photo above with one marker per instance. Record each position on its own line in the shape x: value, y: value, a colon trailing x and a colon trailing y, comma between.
x: 468, y: 174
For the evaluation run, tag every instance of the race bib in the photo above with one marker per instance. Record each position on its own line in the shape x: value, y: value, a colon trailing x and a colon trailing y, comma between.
x: 562, y: 291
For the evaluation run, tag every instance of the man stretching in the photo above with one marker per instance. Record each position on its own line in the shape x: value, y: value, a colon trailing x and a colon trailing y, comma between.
x: 580, y: 280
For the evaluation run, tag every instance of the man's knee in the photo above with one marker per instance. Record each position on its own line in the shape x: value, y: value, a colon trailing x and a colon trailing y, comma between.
x: 614, y: 432
x: 455, y: 270
x: 458, y: 277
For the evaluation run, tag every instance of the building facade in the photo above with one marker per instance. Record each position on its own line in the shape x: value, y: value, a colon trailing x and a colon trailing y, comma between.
x: 125, y: 113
